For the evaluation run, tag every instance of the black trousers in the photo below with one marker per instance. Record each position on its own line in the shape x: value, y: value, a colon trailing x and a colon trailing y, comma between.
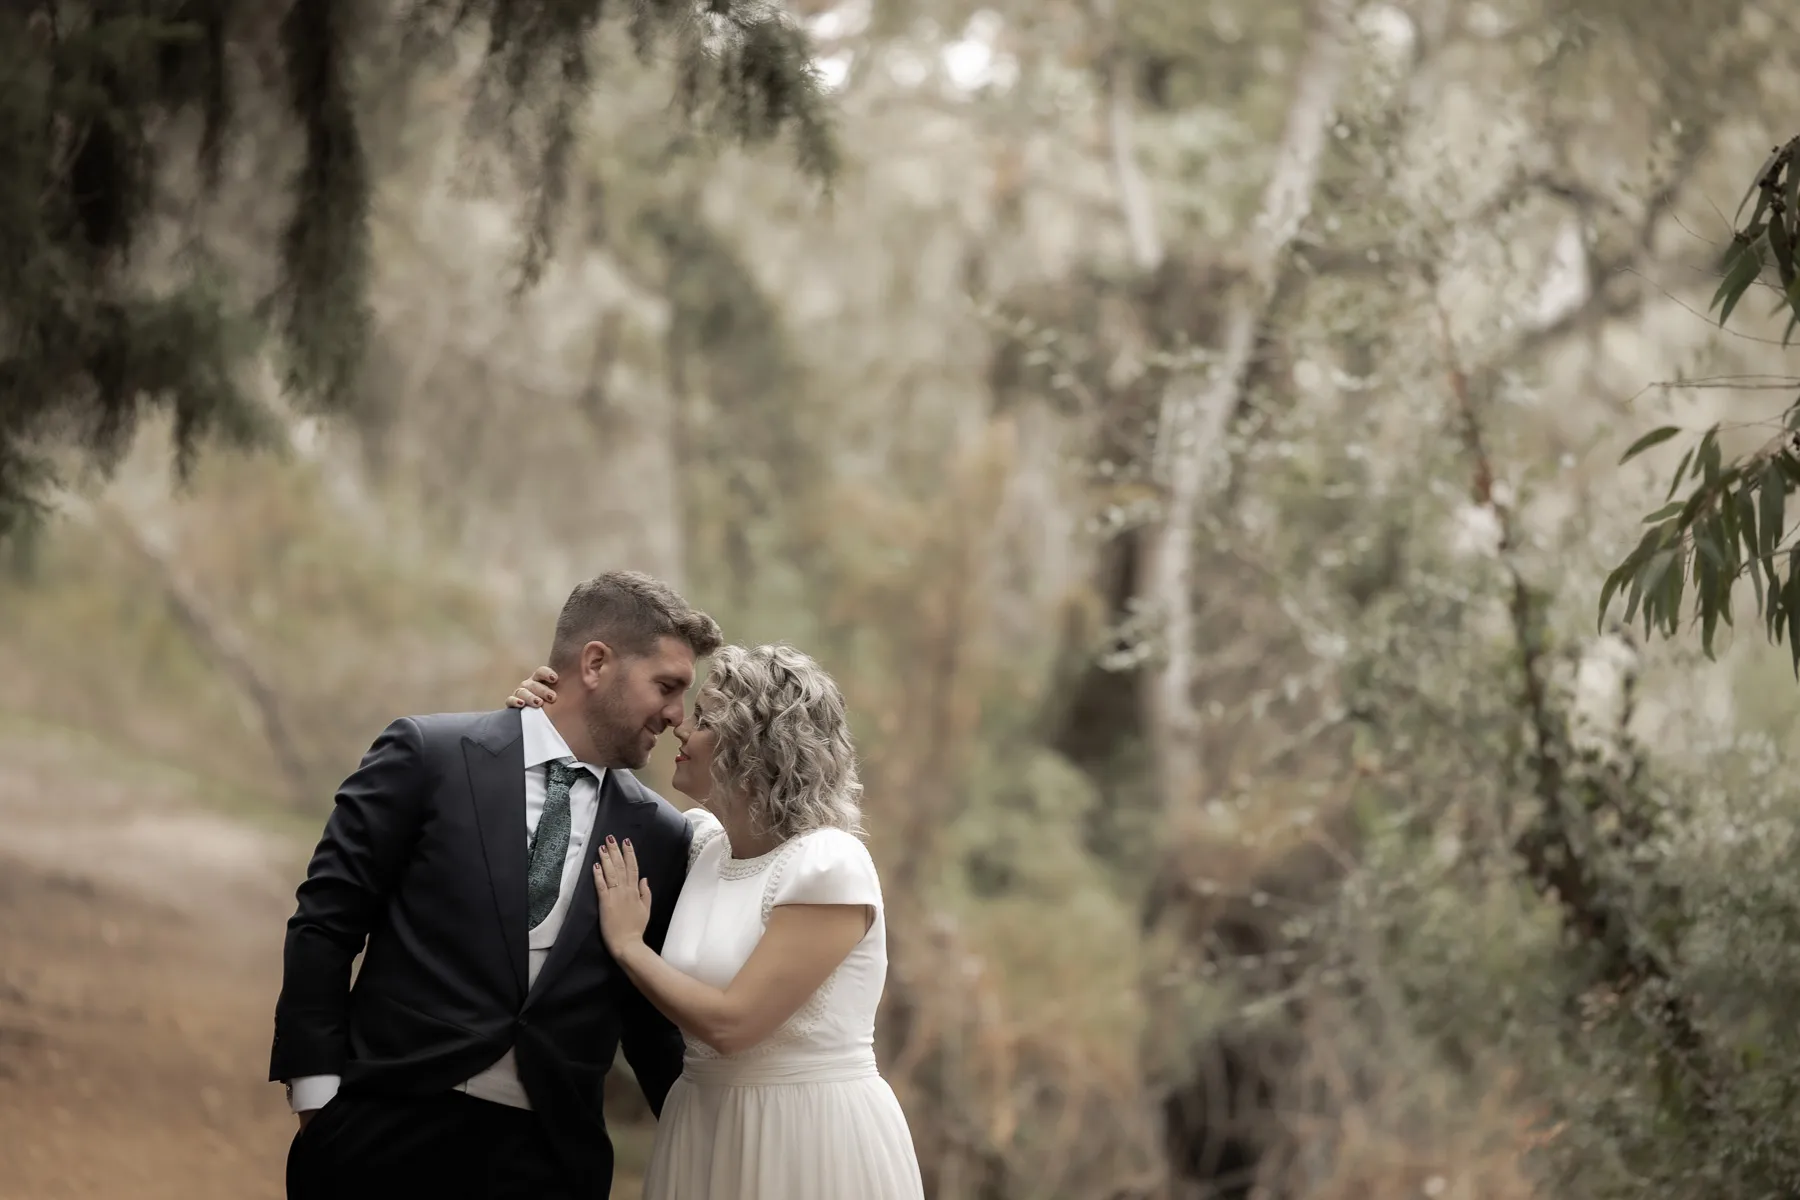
x: 447, y: 1147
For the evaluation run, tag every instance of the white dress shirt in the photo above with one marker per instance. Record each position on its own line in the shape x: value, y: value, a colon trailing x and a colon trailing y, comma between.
x: 543, y: 745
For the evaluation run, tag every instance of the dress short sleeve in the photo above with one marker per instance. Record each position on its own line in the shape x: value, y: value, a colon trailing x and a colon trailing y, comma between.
x: 706, y: 827
x: 828, y: 866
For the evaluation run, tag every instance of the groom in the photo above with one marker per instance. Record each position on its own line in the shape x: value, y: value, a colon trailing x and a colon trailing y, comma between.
x: 469, y: 1056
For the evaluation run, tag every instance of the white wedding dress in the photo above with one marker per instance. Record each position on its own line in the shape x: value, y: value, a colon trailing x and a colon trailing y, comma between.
x: 804, y: 1115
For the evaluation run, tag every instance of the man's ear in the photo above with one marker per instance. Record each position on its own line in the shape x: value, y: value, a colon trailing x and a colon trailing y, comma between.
x: 595, y: 657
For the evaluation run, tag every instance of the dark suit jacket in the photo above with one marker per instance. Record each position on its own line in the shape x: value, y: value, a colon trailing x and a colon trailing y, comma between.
x: 424, y: 860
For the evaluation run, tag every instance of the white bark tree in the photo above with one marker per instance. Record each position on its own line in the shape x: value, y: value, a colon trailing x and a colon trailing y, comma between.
x: 1196, y: 409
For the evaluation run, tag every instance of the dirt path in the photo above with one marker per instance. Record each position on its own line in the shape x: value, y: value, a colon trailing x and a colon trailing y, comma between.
x: 140, y: 956
x: 139, y: 961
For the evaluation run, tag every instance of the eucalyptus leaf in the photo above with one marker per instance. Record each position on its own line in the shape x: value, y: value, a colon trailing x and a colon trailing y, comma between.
x: 1756, y: 181
x: 1771, y: 494
x: 1790, y: 602
x: 1655, y: 437
x: 1681, y: 468
x: 1745, y: 270
x: 1645, y: 586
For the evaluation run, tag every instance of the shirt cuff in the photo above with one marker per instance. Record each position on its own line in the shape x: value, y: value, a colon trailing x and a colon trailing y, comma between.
x: 311, y: 1091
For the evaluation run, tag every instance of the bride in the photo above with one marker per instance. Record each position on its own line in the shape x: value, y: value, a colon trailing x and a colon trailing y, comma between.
x: 776, y: 953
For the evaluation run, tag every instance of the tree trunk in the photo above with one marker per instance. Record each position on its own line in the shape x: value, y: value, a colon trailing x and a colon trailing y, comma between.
x: 1197, y: 408
x: 1135, y: 204
x: 218, y: 639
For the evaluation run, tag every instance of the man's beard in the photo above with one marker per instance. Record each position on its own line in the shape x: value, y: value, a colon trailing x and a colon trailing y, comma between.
x: 617, y: 741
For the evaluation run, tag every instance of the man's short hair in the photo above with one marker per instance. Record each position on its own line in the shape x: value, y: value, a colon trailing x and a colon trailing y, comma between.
x: 630, y: 612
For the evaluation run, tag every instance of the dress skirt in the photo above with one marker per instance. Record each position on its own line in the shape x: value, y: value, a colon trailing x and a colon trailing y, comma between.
x: 784, y: 1128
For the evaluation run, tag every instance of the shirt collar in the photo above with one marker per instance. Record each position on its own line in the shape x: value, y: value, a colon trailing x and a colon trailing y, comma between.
x: 543, y: 744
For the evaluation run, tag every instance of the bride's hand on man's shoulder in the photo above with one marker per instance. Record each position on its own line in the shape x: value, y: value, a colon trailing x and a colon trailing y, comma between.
x: 534, y: 692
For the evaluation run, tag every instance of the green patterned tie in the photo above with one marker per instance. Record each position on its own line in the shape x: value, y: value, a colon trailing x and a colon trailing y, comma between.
x: 543, y: 880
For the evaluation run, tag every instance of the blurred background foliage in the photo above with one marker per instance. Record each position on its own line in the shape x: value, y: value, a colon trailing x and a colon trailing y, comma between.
x: 1464, y: 900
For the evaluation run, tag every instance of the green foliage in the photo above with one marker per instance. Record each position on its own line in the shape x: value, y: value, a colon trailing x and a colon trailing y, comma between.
x: 82, y: 345
x: 1454, y: 952
x: 1772, y: 235
x: 1732, y: 522
x: 1731, y: 525
x: 95, y: 102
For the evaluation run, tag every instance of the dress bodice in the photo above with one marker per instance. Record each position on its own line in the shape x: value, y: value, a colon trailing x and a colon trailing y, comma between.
x: 725, y: 907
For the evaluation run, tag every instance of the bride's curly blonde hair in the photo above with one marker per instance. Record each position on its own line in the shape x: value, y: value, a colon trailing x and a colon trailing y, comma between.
x: 782, y: 740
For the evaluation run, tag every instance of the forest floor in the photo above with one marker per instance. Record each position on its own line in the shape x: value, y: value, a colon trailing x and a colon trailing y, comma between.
x: 140, y: 956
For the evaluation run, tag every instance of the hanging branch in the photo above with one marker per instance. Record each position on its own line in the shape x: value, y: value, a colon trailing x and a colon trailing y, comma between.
x: 88, y: 143
x: 1733, y: 522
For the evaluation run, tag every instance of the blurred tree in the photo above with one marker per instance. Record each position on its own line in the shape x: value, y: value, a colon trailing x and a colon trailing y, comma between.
x: 99, y: 104
x: 1294, y: 285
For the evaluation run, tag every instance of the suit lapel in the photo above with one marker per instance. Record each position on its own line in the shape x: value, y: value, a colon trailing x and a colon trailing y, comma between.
x: 620, y: 817
x: 497, y: 788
